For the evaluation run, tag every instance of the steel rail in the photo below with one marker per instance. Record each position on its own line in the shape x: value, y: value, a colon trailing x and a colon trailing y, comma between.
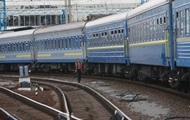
x: 105, y: 101
x: 59, y: 91
x: 7, y: 115
x: 54, y: 112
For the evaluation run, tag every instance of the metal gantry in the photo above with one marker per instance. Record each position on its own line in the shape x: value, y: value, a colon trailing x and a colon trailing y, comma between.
x: 3, y: 16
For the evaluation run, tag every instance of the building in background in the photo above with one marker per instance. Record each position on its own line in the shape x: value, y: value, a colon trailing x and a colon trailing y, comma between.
x: 144, y: 1
x: 22, y: 13
x: 3, y: 16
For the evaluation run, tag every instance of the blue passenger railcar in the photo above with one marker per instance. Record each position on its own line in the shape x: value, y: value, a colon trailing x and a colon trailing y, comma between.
x: 181, y: 14
x: 149, y: 41
x: 106, y: 38
x: 58, y: 47
x: 182, y: 32
x: 15, y: 48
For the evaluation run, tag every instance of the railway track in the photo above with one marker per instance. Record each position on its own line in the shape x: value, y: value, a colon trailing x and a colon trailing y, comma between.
x: 84, y: 102
x: 5, y: 115
x: 176, y: 104
x: 161, y: 102
x: 24, y: 107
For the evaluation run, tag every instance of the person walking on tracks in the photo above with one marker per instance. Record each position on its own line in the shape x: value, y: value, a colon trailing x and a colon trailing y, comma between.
x: 78, y: 69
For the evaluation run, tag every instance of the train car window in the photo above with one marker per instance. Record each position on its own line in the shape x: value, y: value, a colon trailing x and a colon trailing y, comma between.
x: 46, y: 45
x: 72, y: 42
x: 187, y: 21
x: 13, y: 48
x: 54, y: 44
x: 60, y: 44
x: 119, y: 31
x: 7, y: 49
x: 29, y: 45
x: 39, y: 46
x: 157, y: 21
x: 144, y: 33
x: 181, y: 22
x: 151, y: 28
x: 23, y: 46
x: 0, y: 49
x: 65, y: 43
x: 80, y: 42
x: 26, y: 46
x: 164, y: 19
x: 147, y: 30
x: 17, y: 46
x: 139, y: 33
x: 160, y: 20
x: 122, y: 30
x: 155, y: 29
x: 42, y: 45
x: 177, y: 23
x: 20, y: 47
x: 177, y: 14
x: 152, y: 32
x: 106, y: 33
x: 115, y: 31
x: 50, y: 44
x: 44, y: 42
x: 3, y: 48
x: 94, y: 35
x: 97, y: 35
x: 68, y: 44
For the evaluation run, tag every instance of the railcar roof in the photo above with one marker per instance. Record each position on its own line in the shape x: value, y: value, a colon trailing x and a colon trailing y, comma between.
x: 107, y: 20
x: 63, y: 27
x: 16, y: 34
x: 145, y: 7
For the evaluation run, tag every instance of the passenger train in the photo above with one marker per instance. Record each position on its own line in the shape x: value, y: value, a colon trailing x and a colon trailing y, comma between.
x: 151, y: 41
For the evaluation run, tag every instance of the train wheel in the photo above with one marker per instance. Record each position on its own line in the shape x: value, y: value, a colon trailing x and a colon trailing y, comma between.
x: 134, y: 75
x: 127, y: 74
x: 96, y: 71
x: 46, y: 69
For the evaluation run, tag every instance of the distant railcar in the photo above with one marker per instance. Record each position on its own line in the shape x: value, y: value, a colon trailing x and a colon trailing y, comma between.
x: 181, y: 23
x: 15, y: 48
x: 150, y: 46
x: 58, y: 47
x: 106, y: 39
